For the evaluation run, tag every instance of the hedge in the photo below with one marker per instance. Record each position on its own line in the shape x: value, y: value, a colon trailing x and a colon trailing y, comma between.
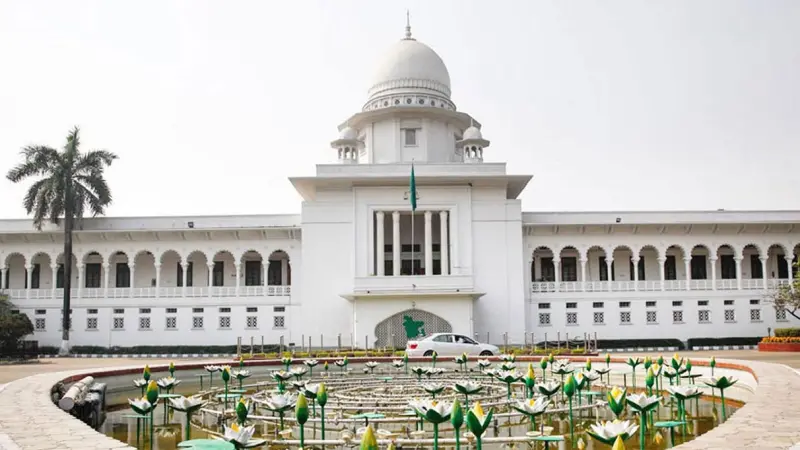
x: 787, y: 332
x: 709, y: 342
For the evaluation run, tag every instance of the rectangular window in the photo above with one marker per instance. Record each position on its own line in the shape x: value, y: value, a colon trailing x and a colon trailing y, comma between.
x: 119, y: 311
x: 569, y: 268
x: 40, y: 311
x: 172, y: 323
x: 625, y: 317
x: 598, y: 318
x: 727, y: 267
x: 704, y: 316
x: 197, y: 322
x: 756, y: 269
x: 602, y: 268
x: 92, y: 276
x: 728, y: 302
x: 755, y: 315
x: 278, y: 322
x: 572, y: 305
x: 275, y: 270
x: 670, y: 268
x: 544, y: 305
x: 698, y: 267
x: 119, y: 323
x: 224, y: 310
x: 252, y: 322
x: 730, y: 315
x: 780, y: 315
x: 783, y: 267
x: 39, y: 324
x: 548, y: 270
x: 409, y: 137
x: 572, y: 318
x: 252, y: 273
x: 35, y: 274
x: 197, y: 310
x: 597, y: 304
x: 144, y: 310
x: 651, y: 317
x: 278, y: 309
x: 172, y: 310
x: 677, y: 316
x: 677, y: 303
x: 252, y: 309
x: 624, y: 304
x: 544, y: 318
x: 123, y: 275
x: 702, y: 303
x: 91, y: 311
x: 755, y: 301
x: 91, y: 323
x: 650, y: 304
x: 225, y: 322
x: 218, y: 273
x: 144, y: 323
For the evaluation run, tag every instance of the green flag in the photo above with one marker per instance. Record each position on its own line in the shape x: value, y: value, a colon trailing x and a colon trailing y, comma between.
x: 412, y: 190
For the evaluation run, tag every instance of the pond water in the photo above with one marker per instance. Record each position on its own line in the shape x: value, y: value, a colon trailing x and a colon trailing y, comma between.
x: 387, y: 392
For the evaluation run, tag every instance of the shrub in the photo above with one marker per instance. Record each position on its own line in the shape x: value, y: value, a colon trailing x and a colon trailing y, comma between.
x: 781, y: 340
x: 13, y: 327
x: 787, y: 332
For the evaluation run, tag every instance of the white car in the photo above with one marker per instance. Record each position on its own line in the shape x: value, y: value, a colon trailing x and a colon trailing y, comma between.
x: 449, y: 344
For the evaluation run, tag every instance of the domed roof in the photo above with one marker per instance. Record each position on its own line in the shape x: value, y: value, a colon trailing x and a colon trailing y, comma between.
x: 410, y: 63
x: 472, y: 133
x: 348, y: 134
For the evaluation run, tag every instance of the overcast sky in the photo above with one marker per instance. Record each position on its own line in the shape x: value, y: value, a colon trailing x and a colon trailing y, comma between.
x: 611, y: 105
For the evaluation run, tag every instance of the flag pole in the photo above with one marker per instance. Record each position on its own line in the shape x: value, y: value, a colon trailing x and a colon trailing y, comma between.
x: 412, y: 241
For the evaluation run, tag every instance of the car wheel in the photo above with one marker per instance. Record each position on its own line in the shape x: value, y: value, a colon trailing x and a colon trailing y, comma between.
x: 486, y: 353
x: 428, y: 353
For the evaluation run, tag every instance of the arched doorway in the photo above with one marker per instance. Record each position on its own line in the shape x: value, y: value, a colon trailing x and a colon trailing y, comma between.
x: 398, y: 329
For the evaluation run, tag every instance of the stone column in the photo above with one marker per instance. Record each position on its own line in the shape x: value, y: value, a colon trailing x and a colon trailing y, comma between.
x: 238, y: 266
x: 661, y: 263
x: 54, y: 268
x: 738, y: 260
x: 583, y: 274
x: 396, y: 247
x: 28, y: 279
x: 380, y: 259
x: 158, y: 280
x: 609, y: 265
x: 265, y: 269
x: 763, y: 271
x: 687, y: 263
x: 82, y: 275
x: 444, y: 243
x: 428, y: 243
x: 635, y: 261
x: 557, y: 272
x: 210, y: 278
x: 106, y: 278
x: 185, y: 267
x: 133, y: 278
x: 713, y: 262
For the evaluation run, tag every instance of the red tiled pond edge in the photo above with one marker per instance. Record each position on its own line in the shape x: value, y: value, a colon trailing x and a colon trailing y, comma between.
x: 30, y: 421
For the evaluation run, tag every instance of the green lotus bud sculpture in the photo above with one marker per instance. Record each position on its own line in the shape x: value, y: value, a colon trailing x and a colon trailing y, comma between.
x: 617, y: 401
x: 457, y: 421
x: 478, y: 422
x: 322, y: 400
x: 146, y: 373
x: 241, y: 411
x: 172, y: 369
x: 570, y: 386
x: 301, y: 415
x: 530, y: 381
x: 543, y: 366
x: 649, y: 380
x: 434, y: 356
x: 368, y: 440
x: 151, y: 393
x: 588, y: 364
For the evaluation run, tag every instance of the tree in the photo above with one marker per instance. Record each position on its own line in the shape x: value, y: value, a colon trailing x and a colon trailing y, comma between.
x: 68, y: 182
x: 787, y: 297
x: 13, y: 327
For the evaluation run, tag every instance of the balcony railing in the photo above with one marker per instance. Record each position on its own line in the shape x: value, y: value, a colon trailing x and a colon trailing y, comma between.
x: 152, y: 292
x: 646, y: 286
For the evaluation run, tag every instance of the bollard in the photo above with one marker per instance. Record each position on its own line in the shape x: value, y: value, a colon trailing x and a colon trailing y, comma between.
x: 487, y: 337
x: 566, y: 341
x: 585, y: 343
x: 352, y: 342
x: 239, y: 346
x: 558, y: 340
x: 595, y: 341
x: 252, y: 346
x: 366, y: 343
x: 309, y: 344
x: 280, y: 348
x: 533, y: 341
x: 545, y: 341
x: 391, y: 344
x: 302, y: 342
x: 321, y: 345
x: 339, y: 342
x: 262, y: 344
x: 505, y: 340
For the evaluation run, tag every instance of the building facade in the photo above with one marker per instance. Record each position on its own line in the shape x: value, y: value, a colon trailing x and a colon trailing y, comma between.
x: 359, y: 266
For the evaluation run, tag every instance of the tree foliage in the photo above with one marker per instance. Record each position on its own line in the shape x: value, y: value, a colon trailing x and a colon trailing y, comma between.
x: 68, y: 183
x: 13, y: 327
x: 787, y: 297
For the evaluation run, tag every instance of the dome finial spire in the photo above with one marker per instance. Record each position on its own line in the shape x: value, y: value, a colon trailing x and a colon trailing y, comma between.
x: 408, y: 25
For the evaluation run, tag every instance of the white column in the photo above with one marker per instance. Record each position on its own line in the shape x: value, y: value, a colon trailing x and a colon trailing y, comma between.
x: 185, y: 267
x: 687, y: 263
x: 583, y: 274
x: 396, y: 247
x: 713, y: 261
x: 158, y: 280
x: 738, y: 260
x: 81, y: 275
x: 265, y: 269
x: 28, y: 279
x: 661, y: 263
x: 106, y: 278
x: 635, y: 261
x: 238, y: 276
x: 557, y: 271
x: 380, y: 260
x: 763, y: 271
x: 210, y: 278
x: 444, y: 243
x: 284, y: 272
x: 54, y: 269
x: 428, y: 243
x: 609, y: 266
x: 133, y: 276
x: 789, y: 266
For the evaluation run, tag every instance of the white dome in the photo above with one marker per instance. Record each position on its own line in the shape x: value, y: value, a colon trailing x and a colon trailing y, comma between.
x: 348, y: 134
x: 472, y: 133
x: 411, y: 67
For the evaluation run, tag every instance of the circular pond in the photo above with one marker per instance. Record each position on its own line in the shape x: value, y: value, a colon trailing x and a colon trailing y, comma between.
x: 499, y: 407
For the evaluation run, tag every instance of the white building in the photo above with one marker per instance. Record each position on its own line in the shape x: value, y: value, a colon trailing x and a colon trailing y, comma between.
x: 343, y: 267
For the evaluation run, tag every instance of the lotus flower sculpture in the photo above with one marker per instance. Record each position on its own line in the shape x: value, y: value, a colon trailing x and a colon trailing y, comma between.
x: 146, y: 373
x: 509, y: 377
x: 398, y: 364
x: 342, y: 363
x: 141, y: 383
x: 721, y: 383
x: 241, y: 375
x: 683, y: 393
x: 617, y: 401
x: 298, y: 372
x: 241, y: 436
x: 211, y: 371
x: 151, y: 394
x: 462, y: 361
x: 371, y: 365
x: 633, y: 362
x: 610, y: 432
x: 543, y: 365
x: 368, y: 440
x: 508, y: 357
x: 286, y: 361
x: 467, y: 388
x: 310, y: 391
x: 311, y: 363
x: 172, y: 369
x: 281, y: 377
x: 570, y: 386
x: 532, y: 408
x: 279, y: 404
x: 433, y: 389
x: 168, y: 383
x: 419, y: 371
x: 188, y: 405
x: 643, y: 404
x: 435, y: 412
x: 549, y: 388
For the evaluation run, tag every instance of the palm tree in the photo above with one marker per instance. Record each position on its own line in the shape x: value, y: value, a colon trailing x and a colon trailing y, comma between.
x: 68, y: 181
